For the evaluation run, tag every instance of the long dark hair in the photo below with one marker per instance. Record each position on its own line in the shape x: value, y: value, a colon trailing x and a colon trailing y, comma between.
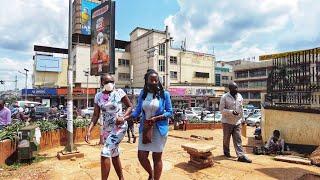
x: 160, y: 91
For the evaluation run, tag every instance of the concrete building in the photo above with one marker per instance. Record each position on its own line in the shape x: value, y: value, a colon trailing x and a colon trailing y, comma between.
x: 251, y: 78
x: 189, y: 76
x: 223, y: 73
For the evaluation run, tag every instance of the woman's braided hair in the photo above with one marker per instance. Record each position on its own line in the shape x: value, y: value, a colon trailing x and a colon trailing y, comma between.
x: 160, y: 91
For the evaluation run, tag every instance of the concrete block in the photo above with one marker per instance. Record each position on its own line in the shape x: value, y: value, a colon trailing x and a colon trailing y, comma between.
x: 198, y: 148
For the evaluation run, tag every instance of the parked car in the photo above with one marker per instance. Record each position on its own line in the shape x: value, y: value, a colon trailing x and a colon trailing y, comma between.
x: 254, y: 119
x: 197, y: 110
x: 87, y: 113
x: 192, y: 115
x: 257, y: 111
x: 213, y: 118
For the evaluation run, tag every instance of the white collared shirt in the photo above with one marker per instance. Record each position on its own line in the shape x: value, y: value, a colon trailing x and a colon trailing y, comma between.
x: 228, y: 104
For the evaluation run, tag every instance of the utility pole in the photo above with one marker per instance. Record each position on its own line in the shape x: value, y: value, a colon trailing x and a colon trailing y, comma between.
x: 167, y: 83
x: 86, y: 73
x: 70, y: 145
x: 16, y: 83
x: 26, y: 83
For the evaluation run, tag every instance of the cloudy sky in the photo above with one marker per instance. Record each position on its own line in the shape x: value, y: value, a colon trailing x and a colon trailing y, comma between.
x: 234, y: 29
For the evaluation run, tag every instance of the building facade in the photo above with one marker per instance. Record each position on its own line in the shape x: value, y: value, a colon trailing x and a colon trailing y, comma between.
x: 251, y: 78
x: 223, y: 74
x: 188, y: 75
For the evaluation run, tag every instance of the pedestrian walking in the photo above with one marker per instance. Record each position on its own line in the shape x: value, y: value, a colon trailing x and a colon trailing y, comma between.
x: 5, y: 115
x: 131, y: 130
x: 155, y: 105
x: 109, y: 103
x: 232, y: 114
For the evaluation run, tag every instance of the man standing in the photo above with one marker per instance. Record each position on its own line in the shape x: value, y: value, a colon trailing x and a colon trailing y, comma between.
x: 5, y: 115
x: 232, y: 114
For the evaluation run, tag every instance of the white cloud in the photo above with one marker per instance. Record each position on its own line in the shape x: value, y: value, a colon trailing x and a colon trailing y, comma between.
x: 25, y: 23
x: 11, y: 69
x: 239, y: 29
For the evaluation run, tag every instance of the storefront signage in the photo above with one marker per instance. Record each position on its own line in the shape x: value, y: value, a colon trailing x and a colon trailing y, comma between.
x: 177, y: 91
x: 77, y: 91
x: 191, y: 92
x: 40, y: 92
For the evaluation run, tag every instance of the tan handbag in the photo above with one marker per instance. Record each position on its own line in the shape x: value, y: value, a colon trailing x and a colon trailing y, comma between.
x: 147, y: 134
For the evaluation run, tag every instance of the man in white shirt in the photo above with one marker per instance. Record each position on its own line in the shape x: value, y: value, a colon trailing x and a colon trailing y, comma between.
x: 232, y: 115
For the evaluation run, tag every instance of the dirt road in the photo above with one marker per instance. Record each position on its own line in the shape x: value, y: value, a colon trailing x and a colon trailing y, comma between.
x: 175, y: 163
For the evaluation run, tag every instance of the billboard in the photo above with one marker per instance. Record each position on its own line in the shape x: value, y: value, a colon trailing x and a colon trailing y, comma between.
x: 86, y: 8
x: 102, y: 54
x: 48, y: 63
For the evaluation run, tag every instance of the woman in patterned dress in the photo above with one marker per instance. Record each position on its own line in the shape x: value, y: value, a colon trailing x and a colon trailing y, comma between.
x: 109, y: 103
x: 155, y: 105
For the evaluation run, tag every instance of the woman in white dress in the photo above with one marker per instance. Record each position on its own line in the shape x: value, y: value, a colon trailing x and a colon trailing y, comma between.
x: 109, y: 103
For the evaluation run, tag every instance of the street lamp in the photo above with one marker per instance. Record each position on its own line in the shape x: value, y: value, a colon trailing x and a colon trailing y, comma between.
x: 26, y: 83
x: 86, y: 73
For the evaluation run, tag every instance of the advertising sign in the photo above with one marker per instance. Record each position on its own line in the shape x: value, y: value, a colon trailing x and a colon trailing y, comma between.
x: 40, y: 92
x: 177, y: 91
x: 48, y: 63
x: 86, y: 8
x: 102, y: 54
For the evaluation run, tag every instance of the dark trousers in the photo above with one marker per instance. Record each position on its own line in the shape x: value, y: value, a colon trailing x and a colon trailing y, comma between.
x: 235, y: 131
x: 130, y: 129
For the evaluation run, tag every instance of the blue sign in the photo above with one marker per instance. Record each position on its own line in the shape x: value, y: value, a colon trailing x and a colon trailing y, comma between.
x: 48, y: 63
x: 40, y: 92
x: 86, y: 7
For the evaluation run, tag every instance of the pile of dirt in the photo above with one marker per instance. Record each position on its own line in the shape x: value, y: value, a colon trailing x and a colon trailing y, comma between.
x: 315, y: 157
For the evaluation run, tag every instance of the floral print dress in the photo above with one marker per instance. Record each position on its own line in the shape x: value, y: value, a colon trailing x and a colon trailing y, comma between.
x: 111, y: 107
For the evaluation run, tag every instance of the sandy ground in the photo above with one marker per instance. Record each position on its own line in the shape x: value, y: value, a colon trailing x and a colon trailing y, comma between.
x: 175, y: 163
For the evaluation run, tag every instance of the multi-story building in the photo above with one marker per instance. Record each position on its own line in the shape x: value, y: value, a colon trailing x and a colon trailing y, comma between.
x: 295, y: 78
x: 223, y: 74
x: 189, y: 76
x: 251, y: 78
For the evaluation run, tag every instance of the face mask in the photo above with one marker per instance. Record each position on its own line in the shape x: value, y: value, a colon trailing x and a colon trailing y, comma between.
x: 108, y: 87
x: 153, y: 87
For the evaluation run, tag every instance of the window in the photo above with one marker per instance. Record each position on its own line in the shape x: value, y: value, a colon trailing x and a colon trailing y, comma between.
x: 255, y: 84
x: 258, y: 72
x: 202, y: 75
x: 173, y: 60
x: 218, y: 80
x: 173, y: 75
x: 225, y: 78
x: 161, y: 66
x: 123, y: 76
x: 162, y: 49
x: 243, y: 84
x: 255, y: 95
x: 124, y: 62
x: 245, y: 95
x: 241, y: 74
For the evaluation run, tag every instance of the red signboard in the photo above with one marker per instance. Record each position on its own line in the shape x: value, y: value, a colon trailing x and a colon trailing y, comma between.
x: 76, y: 91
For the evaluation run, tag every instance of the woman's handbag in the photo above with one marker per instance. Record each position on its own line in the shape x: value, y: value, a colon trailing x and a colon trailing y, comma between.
x: 147, y: 133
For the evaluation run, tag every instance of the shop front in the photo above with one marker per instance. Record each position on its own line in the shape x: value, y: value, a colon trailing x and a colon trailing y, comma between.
x: 182, y: 97
x: 46, y: 96
x: 79, y: 96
